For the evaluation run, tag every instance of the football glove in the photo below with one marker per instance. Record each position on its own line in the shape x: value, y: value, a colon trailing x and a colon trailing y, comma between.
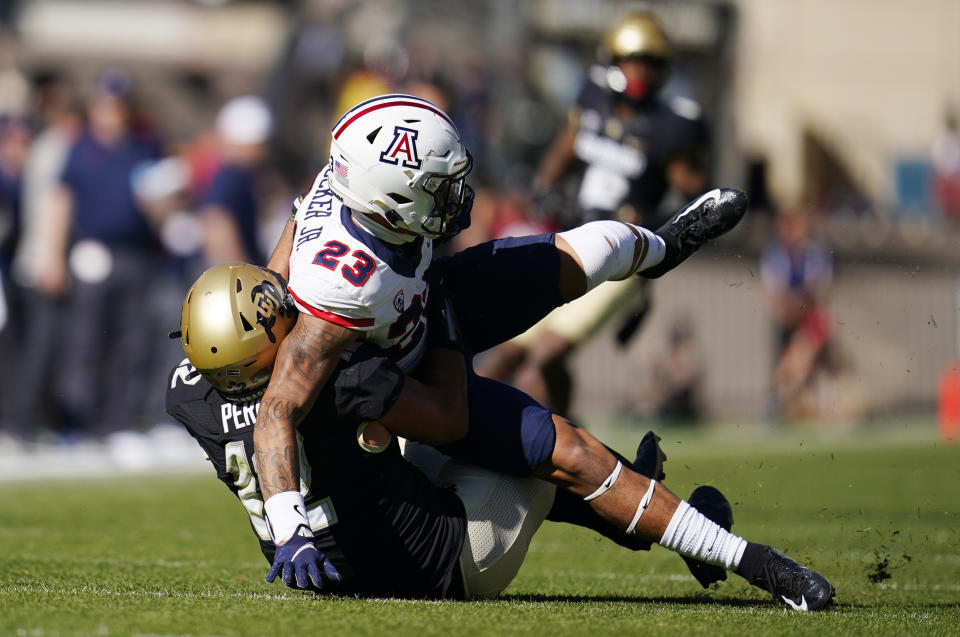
x: 300, y: 565
x: 297, y: 561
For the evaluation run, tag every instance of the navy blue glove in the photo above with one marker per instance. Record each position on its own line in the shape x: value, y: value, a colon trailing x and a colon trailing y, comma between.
x: 300, y: 564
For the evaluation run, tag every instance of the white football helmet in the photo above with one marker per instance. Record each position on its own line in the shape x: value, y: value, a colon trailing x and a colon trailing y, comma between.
x: 401, y: 158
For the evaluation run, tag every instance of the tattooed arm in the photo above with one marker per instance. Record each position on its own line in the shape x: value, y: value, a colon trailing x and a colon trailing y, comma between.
x: 305, y: 360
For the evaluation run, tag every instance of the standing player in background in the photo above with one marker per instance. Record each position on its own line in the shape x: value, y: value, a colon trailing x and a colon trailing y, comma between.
x: 358, y: 251
x: 102, y: 254
x: 629, y: 149
x: 34, y: 404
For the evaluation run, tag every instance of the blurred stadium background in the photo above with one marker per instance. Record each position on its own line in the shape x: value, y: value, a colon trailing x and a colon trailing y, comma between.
x: 840, y: 108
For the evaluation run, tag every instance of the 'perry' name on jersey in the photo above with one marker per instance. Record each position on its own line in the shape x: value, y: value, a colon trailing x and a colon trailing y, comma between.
x: 238, y: 416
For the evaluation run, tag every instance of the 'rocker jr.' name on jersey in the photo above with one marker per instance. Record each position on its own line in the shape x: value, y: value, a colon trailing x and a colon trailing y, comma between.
x: 341, y: 273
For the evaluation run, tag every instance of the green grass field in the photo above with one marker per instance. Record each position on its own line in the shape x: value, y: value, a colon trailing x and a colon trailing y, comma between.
x: 879, y: 515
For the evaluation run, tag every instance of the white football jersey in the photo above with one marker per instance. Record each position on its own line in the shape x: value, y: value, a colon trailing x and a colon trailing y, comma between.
x: 343, y: 274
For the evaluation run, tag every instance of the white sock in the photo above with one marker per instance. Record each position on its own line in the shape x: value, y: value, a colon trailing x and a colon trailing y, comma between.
x: 609, y: 250
x: 690, y: 533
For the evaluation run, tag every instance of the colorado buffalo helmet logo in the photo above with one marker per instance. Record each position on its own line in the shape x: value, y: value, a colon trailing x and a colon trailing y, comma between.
x: 269, y: 302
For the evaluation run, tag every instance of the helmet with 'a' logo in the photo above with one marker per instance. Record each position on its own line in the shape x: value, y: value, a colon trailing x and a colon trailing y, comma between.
x: 232, y: 321
x: 400, y: 157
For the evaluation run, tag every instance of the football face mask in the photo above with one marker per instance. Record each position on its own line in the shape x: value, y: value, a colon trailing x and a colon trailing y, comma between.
x: 452, y: 202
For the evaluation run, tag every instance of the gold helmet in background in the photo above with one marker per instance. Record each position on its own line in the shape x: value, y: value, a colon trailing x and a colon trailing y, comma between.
x: 233, y: 319
x: 637, y: 35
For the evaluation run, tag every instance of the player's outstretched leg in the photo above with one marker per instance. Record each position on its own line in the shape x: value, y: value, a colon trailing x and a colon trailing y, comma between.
x: 704, y: 219
x: 626, y: 499
x: 649, y: 460
x: 602, y: 251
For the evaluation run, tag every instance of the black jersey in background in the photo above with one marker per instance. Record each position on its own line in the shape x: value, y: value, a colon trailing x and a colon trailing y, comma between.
x: 623, y: 161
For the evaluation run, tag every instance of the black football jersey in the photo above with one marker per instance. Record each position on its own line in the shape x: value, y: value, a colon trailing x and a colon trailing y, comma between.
x: 623, y: 162
x: 389, y: 531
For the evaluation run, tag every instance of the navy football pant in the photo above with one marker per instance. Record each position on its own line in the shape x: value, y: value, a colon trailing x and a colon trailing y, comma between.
x: 498, y: 290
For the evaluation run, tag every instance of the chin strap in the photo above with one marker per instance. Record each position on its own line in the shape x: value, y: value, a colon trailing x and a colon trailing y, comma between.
x: 380, y: 232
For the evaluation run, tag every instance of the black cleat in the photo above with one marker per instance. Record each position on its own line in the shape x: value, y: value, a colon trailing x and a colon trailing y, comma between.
x: 799, y: 587
x: 650, y: 457
x: 714, y: 506
x: 702, y: 220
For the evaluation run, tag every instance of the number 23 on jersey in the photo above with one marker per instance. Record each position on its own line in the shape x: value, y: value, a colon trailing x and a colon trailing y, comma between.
x: 357, y: 274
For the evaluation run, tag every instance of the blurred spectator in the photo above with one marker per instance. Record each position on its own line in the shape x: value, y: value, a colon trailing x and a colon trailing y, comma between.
x: 14, y: 87
x: 14, y: 140
x: 671, y: 391
x: 946, y: 168
x: 377, y: 74
x: 361, y: 84
x: 33, y: 404
x: 797, y: 273
x: 629, y: 148
x: 434, y: 90
x: 677, y: 374
x: 230, y: 209
x: 202, y: 157
x: 58, y: 122
x: 102, y: 256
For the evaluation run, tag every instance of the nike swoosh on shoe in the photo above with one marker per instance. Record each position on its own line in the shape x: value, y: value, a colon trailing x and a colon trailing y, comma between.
x: 713, y: 194
x: 802, y: 606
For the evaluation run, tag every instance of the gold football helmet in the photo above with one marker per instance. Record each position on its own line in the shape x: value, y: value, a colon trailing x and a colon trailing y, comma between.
x: 233, y: 319
x: 637, y: 35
